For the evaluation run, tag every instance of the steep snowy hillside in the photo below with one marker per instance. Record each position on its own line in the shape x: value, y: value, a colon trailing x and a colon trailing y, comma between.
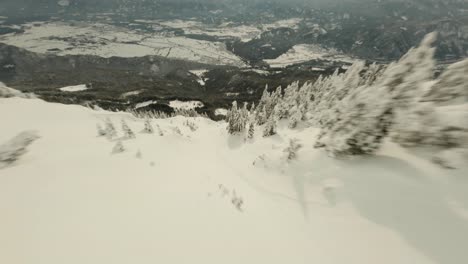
x: 190, y: 193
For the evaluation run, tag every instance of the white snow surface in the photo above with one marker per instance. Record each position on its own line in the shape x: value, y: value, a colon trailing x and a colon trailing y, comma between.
x: 221, y: 112
x: 63, y: 3
x: 307, y: 52
x: 244, y: 32
x: 74, y: 88
x: 131, y: 93
x: 69, y: 200
x: 185, y: 105
x: 145, y: 104
x: 111, y: 41
x: 199, y: 74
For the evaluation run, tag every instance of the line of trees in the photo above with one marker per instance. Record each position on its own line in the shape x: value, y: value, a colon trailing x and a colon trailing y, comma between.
x: 358, y: 109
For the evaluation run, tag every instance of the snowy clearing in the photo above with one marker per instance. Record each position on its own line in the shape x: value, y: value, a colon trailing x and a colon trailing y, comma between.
x: 145, y: 104
x: 307, y: 52
x: 221, y: 112
x: 185, y: 105
x: 201, y: 196
x: 75, y: 88
x: 132, y: 93
x: 199, y: 74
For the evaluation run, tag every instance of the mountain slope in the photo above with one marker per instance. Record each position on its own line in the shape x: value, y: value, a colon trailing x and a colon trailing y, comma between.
x: 204, y: 197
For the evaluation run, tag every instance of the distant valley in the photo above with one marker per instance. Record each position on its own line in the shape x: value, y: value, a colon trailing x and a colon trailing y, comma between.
x: 158, y: 52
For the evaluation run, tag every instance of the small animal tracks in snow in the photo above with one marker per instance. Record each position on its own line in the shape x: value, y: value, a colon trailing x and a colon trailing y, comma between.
x: 235, y: 199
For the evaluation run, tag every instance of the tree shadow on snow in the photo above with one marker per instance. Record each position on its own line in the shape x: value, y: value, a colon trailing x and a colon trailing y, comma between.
x: 392, y: 193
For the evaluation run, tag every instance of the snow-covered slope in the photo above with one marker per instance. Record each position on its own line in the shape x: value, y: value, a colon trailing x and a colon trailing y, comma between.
x: 205, y: 197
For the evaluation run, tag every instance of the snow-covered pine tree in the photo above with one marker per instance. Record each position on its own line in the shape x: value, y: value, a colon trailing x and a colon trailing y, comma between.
x: 244, y: 116
x: 128, y: 133
x: 304, y: 96
x: 265, y: 97
x: 236, y: 119
x: 295, y: 117
x: 251, y: 132
x: 281, y: 111
x: 436, y: 119
x: 270, y: 126
x: 373, y: 72
x: 177, y: 131
x: 11, y: 151
x: 291, y: 150
x: 451, y: 87
x: 358, y: 123
x: 291, y: 95
x: 263, y: 105
x: 260, y: 116
x: 272, y: 101
x: 101, y: 132
x: 277, y: 95
x: 232, y: 118
x: 418, y: 66
x: 118, y: 147
x: 252, y: 110
x: 111, y: 132
x: 148, y: 127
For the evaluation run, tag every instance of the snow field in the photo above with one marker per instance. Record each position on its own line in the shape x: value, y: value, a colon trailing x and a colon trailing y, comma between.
x: 69, y: 199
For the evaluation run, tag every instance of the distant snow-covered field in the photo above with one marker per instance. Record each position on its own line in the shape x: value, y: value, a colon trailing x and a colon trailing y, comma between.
x: 75, y: 88
x: 106, y: 40
x: 185, y: 105
x: 111, y: 41
x: 145, y: 104
x: 243, y: 32
x: 307, y: 52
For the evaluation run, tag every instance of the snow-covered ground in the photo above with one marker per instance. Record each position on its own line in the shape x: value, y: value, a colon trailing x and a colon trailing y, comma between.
x: 221, y: 112
x: 145, y: 104
x: 132, y: 93
x: 185, y: 105
x: 69, y: 200
x: 199, y: 73
x: 111, y: 41
x: 307, y: 52
x: 75, y: 88
x: 244, y: 32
